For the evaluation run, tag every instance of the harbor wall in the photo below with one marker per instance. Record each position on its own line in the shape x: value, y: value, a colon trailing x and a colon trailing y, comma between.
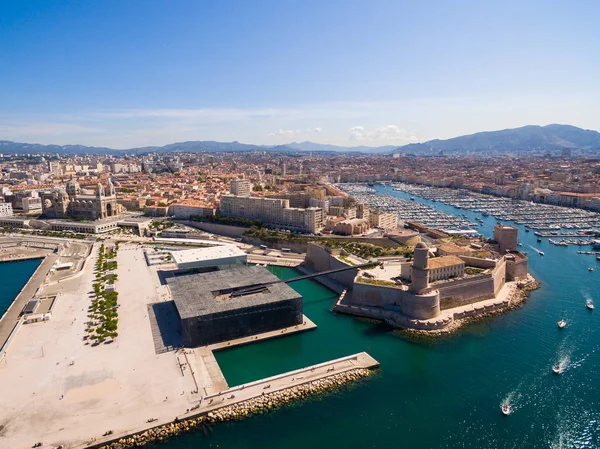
x: 420, y: 307
x: 478, y: 262
x: 464, y: 291
x: 517, y: 268
x: 322, y: 259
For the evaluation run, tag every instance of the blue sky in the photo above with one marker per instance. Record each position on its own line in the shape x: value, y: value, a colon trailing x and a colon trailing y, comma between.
x: 134, y: 73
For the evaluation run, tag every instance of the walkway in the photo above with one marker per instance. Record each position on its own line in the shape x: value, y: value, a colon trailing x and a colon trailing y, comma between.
x: 11, y: 317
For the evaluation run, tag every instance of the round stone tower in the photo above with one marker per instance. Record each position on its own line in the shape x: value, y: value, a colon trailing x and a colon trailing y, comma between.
x: 420, y: 268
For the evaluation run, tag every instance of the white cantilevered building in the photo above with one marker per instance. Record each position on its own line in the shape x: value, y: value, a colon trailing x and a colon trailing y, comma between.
x: 222, y: 257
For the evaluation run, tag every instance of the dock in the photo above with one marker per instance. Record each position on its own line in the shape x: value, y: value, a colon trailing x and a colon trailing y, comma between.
x: 245, y: 393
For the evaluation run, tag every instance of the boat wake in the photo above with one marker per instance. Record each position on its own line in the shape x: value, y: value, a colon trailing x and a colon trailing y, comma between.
x: 512, y: 400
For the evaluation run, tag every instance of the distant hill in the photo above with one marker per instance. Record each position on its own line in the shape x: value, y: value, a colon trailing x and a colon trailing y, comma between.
x: 313, y: 146
x: 8, y: 147
x: 527, y: 138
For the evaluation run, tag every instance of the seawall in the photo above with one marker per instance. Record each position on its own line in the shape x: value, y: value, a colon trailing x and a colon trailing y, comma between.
x: 255, y: 397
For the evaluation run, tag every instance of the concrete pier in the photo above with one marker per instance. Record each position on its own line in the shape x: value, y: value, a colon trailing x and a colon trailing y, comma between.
x: 210, y: 405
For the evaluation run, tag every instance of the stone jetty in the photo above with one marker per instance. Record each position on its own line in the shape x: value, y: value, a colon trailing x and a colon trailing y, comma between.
x: 257, y: 405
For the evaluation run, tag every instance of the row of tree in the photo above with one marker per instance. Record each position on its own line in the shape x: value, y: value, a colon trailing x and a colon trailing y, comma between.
x: 103, y: 313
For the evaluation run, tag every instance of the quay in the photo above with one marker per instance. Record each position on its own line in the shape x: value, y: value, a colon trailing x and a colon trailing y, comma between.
x: 270, y: 392
x: 72, y: 392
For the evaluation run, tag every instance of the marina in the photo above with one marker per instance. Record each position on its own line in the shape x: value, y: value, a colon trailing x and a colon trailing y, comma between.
x: 412, y: 372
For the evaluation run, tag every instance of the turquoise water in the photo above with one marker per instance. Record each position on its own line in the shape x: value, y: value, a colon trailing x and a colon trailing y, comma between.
x: 444, y: 393
x: 13, y: 276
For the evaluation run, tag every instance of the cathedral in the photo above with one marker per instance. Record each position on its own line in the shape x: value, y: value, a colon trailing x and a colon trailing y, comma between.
x: 72, y: 203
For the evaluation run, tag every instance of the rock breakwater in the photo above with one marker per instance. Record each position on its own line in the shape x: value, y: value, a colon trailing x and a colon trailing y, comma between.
x: 254, y: 406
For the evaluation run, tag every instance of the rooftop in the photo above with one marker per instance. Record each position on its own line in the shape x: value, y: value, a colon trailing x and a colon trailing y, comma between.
x: 206, y: 254
x: 208, y: 293
x: 445, y: 261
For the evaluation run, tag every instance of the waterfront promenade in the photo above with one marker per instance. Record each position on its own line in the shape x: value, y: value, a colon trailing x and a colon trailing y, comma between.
x: 71, y: 392
x: 11, y: 317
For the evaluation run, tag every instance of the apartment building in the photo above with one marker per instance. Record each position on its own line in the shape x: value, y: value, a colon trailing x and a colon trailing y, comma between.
x: 383, y: 220
x: 240, y: 187
x: 274, y: 212
x: 6, y: 209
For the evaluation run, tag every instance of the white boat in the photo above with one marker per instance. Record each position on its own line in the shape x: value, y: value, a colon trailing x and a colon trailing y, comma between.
x: 589, y: 304
x: 590, y: 269
x: 556, y: 369
x: 562, y: 324
x: 506, y: 409
x: 541, y: 253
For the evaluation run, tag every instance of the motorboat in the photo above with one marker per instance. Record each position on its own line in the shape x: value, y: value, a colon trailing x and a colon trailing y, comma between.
x: 519, y: 244
x: 590, y: 269
x: 541, y: 253
x: 562, y: 324
x: 506, y: 409
x: 539, y: 240
x: 556, y: 369
x: 589, y: 304
x: 526, y: 230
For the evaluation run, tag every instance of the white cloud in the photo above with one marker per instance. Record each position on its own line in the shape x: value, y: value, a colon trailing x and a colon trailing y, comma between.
x: 284, y: 132
x: 386, y: 133
x: 426, y: 118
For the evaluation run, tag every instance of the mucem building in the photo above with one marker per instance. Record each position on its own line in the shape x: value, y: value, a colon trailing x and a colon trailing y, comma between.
x: 235, y: 303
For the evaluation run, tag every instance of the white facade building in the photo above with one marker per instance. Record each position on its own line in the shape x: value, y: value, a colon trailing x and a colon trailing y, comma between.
x: 274, y: 212
x: 224, y: 256
x: 240, y: 187
x: 6, y: 210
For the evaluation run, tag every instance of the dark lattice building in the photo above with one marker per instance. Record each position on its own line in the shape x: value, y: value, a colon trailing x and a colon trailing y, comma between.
x: 212, y: 309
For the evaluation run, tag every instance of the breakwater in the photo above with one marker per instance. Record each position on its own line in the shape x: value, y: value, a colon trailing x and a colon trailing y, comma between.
x: 257, y: 405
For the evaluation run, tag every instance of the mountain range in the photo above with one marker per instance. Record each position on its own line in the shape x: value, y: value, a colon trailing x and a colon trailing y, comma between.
x: 527, y: 138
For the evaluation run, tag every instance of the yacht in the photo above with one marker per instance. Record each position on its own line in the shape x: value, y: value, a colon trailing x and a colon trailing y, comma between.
x: 506, y: 409
x: 562, y: 324
x: 589, y: 304
x: 556, y: 369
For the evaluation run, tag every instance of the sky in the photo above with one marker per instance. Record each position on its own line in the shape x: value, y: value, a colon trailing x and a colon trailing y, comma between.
x: 129, y: 73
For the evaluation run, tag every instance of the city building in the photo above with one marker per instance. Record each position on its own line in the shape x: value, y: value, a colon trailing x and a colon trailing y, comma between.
x: 229, y: 304
x: 445, y: 267
x: 185, y: 209
x: 273, y: 212
x: 6, y: 209
x: 217, y: 257
x: 92, y: 227
x: 241, y: 187
x: 383, y: 220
